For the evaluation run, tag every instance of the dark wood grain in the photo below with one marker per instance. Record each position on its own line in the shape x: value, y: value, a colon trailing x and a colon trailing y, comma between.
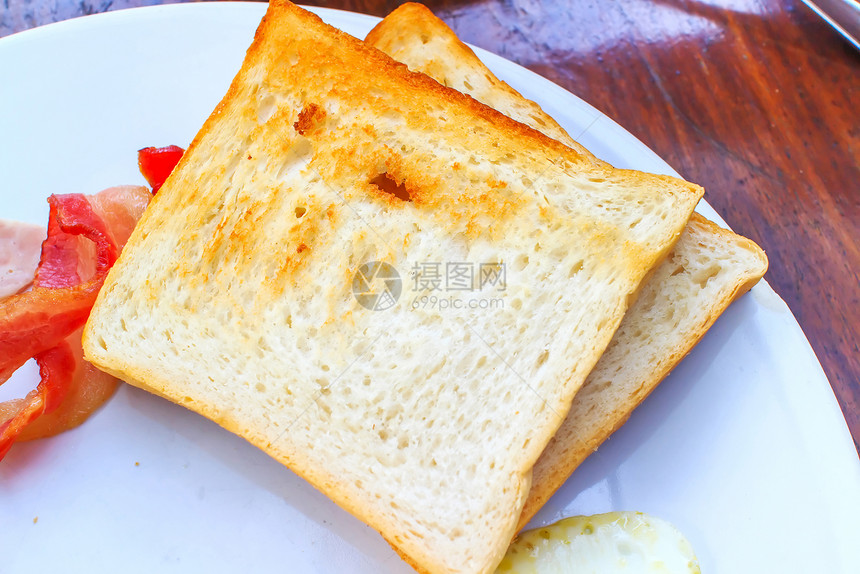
x: 759, y: 103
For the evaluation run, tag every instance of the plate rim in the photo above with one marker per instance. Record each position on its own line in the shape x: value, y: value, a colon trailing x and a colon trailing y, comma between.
x: 763, y: 288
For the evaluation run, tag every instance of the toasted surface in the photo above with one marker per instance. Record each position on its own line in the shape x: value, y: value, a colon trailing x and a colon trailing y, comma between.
x: 707, y: 269
x: 234, y: 295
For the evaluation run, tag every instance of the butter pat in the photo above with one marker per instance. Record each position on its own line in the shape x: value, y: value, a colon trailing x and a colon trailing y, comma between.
x: 624, y: 542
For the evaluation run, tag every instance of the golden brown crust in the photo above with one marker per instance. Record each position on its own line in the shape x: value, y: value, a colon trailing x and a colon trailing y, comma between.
x: 395, y: 35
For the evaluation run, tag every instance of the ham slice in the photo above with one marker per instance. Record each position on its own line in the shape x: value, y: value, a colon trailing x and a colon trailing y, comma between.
x: 85, y: 235
x: 20, y: 244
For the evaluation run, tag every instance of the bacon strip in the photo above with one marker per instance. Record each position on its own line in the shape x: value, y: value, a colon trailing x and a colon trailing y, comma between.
x: 56, y: 367
x: 85, y: 235
x: 39, y: 319
x: 58, y: 304
x: 72, y: 228
x: 85, y: 392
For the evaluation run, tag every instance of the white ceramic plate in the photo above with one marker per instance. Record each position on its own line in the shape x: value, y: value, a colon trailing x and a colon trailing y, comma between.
x: 743, y: 447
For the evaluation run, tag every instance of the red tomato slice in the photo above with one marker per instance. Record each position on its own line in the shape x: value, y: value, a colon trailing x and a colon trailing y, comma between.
x: 156, y: 163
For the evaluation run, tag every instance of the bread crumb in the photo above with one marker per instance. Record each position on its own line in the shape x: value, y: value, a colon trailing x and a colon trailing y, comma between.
x: 136, y: 463
x: 35, y: 519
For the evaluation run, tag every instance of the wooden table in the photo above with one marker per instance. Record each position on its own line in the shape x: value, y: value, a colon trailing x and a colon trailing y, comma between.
x: 754, y: 102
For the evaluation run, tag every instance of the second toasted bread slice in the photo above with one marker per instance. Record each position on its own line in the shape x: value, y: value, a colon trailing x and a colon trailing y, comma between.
x: 708, y: 268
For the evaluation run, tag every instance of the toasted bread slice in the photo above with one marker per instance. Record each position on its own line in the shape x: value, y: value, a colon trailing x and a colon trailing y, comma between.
x: 709, y: 266
x: 235, y: 294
